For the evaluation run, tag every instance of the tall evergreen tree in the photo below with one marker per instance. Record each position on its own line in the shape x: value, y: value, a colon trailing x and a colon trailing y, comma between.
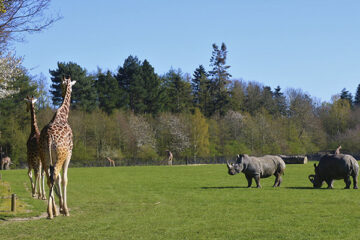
x: 345, y: 94
x: 84, y: 92
x: 154, y: 97
x: 200, y: 85
x: 357, y: 97
x: 109, y: 94
x: 280, y: 101
x: 131, y: 82
x: 219, y: 78
x: 178, y: 92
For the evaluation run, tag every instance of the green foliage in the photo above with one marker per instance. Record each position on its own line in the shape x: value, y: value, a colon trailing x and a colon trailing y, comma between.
x: 199, y: 135
x: 147, y: 152
x: 109, y: 94
x: 233, y: 148
x: 178, y: 92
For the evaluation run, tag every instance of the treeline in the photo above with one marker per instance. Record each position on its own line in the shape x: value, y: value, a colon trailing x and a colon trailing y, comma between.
x: 134, y: 113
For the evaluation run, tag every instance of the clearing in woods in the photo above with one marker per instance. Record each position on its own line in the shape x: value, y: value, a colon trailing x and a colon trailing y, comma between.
x: 184, y: 202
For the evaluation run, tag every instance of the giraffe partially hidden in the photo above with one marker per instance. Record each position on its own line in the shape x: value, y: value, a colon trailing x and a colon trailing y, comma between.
x: 5, y: 163
x: 111, y: 162
x: 337, y: 151
x: 170, y: 157
x: 33, y: 154
x: 55, y: 151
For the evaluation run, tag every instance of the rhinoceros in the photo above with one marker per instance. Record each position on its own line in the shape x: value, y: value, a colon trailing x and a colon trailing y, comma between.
x: 335, y: 166
x: 258, y: 167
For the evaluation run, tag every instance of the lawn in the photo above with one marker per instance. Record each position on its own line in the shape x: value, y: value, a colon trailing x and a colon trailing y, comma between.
x: 186, y: 202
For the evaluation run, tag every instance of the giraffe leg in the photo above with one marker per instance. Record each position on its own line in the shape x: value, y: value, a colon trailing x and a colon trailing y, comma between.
x: 65, y: 181
x: 59, y: 193
x: 36, y: 183
x: 31, y: 181
x: 50, y: 202
x: 43, y: 184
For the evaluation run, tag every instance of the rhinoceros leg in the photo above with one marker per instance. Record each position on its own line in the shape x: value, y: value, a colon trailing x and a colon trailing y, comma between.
x: 347, y: 182
x: 355, y: 182
x: 257, y: 180
x: 278, y: 180
x: 330, y: 183
x: 249, y: 179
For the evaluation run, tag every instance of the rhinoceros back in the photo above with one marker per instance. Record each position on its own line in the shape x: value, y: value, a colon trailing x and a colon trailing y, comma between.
x: 336, y: 166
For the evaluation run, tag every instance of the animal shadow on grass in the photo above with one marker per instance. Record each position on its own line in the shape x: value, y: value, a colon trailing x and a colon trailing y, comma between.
x: 224, y: 187
x: 303, y: 188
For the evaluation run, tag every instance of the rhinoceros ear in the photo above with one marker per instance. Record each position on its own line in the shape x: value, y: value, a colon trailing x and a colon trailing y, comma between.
x: 311, y: 178
x: 314, y: 165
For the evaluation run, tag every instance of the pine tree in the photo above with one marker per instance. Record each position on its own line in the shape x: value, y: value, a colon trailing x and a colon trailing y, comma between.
x: 178, y: 92
x: 345, y: 94
x: 109, y: 94
x: 219, y: 78
x: 131, y: 83
x: 280, y: 101
x: 153, y: 99
x: 84, y: 91
x: 357, y: 96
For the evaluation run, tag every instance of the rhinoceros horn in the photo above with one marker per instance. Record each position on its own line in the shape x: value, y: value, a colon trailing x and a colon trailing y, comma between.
x: 311, y: 178
x: 228, y: 164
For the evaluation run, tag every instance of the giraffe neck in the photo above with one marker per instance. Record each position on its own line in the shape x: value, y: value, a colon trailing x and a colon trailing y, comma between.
x: 34, y: 126
x: 63, y: 112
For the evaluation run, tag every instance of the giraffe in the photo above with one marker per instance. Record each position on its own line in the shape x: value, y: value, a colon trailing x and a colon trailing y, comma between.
x: 170, y: 157
x: 55, y: 151
x: 337, y: 151
x: 33, y: 155
x: 111, y: 162
x: 5, y: 163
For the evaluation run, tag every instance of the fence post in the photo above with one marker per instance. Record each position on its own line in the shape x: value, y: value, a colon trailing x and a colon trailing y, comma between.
x: 13, y: 202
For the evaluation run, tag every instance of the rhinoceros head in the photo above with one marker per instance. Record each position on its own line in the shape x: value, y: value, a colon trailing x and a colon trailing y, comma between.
x: 237, y: 167
x: 231, y: 168
x: 315, y: 179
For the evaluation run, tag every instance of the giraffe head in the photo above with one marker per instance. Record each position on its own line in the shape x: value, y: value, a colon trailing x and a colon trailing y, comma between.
x: 66, y: 84
x: 29, y: 102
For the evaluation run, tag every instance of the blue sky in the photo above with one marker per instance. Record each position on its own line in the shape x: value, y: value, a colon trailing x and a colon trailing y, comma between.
x: 309, y: 44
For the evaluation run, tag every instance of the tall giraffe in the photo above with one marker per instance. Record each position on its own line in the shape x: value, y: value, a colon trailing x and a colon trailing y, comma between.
x: 55, y: 151
x: 33, y: 154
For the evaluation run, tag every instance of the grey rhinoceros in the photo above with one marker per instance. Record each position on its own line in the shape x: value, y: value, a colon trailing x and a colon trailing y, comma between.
x: 335, y: 166
x: 258, y: 167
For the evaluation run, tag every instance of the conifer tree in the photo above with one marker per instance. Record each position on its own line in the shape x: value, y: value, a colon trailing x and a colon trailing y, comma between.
x: 131, y: 83
x: 280, y: 101
x: 154, y: 95
x: 345, y: 94
x: 84, y: 92
x: 357, y: 96
x: 109, y: 94
x: 219, y: 78
x: 178, y: 92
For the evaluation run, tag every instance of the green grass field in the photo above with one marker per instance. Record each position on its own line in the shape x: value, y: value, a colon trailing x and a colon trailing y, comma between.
x: 186, y: 202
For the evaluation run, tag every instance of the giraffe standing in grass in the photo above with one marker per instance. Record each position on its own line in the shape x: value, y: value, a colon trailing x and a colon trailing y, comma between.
x: 170, y: 157
x: 33, y: 154
x: 111, y: 162
x: 56, y: 145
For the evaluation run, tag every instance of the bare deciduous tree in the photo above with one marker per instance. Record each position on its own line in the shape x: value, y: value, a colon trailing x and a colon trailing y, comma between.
x: 23, y: 16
